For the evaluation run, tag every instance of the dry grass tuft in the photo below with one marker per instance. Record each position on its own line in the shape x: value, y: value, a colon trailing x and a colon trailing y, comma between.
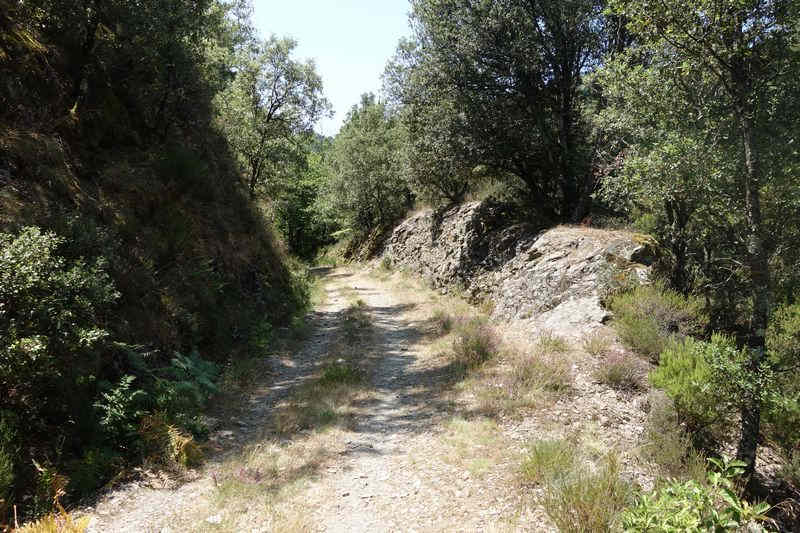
x: 442, y: 322
x: 57, y: 523
x: 548, y: 459
x: 475, y: 343
x: 586, y: 501
x: 549, y: 342
x: 622, y: 372
x: 473, y: 444
x: 596, y: 343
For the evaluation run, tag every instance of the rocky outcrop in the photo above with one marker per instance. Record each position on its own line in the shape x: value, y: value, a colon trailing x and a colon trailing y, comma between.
x: 549, y: 278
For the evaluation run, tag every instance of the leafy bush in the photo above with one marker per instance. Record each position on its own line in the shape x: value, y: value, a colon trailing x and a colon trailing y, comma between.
x: 621, y: 372
x: 782, y: 415
x: 649, y: 316
x: 694, y: 507
x: 53, y: 346
x: 188, y: 383
x: 475, y: 343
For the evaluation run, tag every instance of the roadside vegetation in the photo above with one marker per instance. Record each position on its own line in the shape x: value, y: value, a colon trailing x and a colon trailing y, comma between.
x: 159, y: 196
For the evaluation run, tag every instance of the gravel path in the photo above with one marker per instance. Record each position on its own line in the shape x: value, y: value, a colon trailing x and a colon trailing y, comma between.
x: 391, y: 473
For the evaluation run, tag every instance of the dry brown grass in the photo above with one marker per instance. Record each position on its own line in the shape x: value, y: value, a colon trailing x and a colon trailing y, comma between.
x: 475, y: 445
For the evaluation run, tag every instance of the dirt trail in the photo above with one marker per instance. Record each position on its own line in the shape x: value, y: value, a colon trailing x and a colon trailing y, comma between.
x: 392, y: 472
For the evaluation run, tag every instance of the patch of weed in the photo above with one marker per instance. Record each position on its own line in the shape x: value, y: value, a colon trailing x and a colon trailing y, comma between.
x: 547, y: 460
x: 596, y: 343
x: 476, y: 342
x: 666, y: 443
x: 586, y: 501
x: 549, y: 342
x: 621, y: 372
x: 442, y: 322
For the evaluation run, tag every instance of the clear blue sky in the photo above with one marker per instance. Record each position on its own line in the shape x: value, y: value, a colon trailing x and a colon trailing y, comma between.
x: 350, y: 41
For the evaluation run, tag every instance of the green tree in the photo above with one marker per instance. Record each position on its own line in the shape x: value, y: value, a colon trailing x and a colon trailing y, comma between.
x: 713, y: 87
x: 500, y: 81
x: 365, y: 189
x: 273, y: 101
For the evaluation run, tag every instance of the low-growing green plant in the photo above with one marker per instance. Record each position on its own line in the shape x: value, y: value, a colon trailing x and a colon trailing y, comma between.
x: 649, y: 316
x: 548, y: 459
x: 121, y: 408
x: 475, y: 343
x: 621, y: 372
x: 586, y: 502
x: 341, y: 372
x: 694, y: 507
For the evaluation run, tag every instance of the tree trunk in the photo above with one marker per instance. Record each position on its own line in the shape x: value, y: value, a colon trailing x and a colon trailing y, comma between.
x: 759, y: 269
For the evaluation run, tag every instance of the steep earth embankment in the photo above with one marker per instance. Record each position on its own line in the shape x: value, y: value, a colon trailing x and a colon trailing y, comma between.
x: 550, y: 279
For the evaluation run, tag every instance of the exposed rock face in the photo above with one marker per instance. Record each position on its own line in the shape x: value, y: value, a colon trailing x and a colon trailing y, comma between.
x: 549, y: 278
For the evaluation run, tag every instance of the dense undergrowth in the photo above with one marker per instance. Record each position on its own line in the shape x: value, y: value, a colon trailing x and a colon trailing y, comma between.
x: 134, y: 268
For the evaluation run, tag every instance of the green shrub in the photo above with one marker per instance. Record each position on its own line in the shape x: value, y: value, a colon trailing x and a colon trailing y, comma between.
x: 782, y: 415
x: 475, y: 343
x: 649, y: 316
x: 121, y: 408
x: 621, y: 372
x: 186, y: 386
x: 693, y: 507
x: 687, y: 375
x: 53, y: 347
x: 588, y: 502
